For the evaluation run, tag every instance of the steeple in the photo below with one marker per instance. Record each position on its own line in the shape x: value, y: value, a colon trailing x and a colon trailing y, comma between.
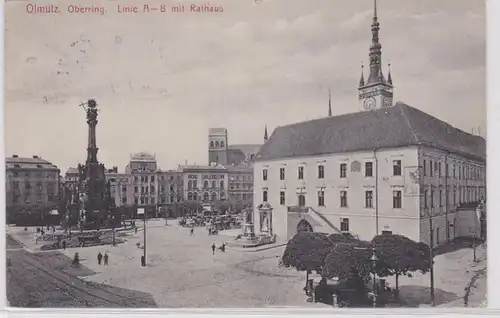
x: 375, y: 55
x: 362, y: 78
x: 376, y: 92
x: 265, y: 133
x: 389, y: 77
x: 329, y: 103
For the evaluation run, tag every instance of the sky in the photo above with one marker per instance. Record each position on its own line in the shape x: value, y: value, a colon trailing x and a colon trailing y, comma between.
x: 161, y: 80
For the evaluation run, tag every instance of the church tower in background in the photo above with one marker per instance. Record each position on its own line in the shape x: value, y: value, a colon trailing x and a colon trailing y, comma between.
x: 376, y: 92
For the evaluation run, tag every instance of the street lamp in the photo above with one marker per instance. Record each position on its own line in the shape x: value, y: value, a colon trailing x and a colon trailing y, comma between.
x: 374, y: 261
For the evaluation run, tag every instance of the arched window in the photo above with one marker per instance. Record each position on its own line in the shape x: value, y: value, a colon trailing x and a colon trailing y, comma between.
x: 216, y: 144
x: 213, y: 184
x: 214, y: 196
x: 190, y: 185
x: 190, y: 196
x: 212, y: 144
x: 304, y: 226
x: 205, y: 196
x: 222, y: 143
x: 222, y: 184
x: 205, y: 184
x: 195, y: 196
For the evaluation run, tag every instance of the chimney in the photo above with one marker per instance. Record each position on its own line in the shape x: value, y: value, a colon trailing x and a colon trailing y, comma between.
x: 15, y: 156
x: 35, y: 157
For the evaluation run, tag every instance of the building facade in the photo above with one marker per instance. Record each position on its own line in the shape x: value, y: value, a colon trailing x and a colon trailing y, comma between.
x: 32, y: 184
x: 386, y: 168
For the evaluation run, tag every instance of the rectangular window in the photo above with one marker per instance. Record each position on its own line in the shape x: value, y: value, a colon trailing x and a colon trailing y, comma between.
x: 454, y: 196
x: 124, y: 200
x: 321, y: 198
x: 302, y: 200
x: 396, y: 167
x: 446, y: 167
x: 282, y: 197
x: 142, y: 200
x: 432, y: 199
x: 321, y: 172
x: 343, y: 170
x: 430, y: 168
x: 343, y: 199
x: 152, y: 200
x: 369, y: 199
x: 440, y: 197
x: 344, y: 225
x: 454, y: 172
x: 439, y: 169
x: 152, y: 178
x: 301, y: 173
x: 425, y: 168
x: 368, y: 169
x: 396, y: 199
x: 136, y: 201
x: 152, y: 189
x: 264, y: 174
x: 146, y: 200
x: 425, y: 199
x: 264, y: 196
x: 282, y: 173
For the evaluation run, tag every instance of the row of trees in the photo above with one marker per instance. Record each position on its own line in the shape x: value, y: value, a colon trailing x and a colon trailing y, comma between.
x: 343, y: 256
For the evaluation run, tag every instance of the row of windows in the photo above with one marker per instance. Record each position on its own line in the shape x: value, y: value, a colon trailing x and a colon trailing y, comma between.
x: 433, y: 168
x: 301, y: 199
x: 248, y: 186
x: 145, y: 178
x: 37, y: 174
x: 192, y: 184
x: 206, y: 196
x: 396, y: 171
x: 456, y: 197
x: 144, y: 189
x: 216, y: 144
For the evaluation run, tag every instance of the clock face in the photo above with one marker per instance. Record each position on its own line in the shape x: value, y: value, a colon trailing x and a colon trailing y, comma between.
x: 387, y: 102
x: 369, y: 103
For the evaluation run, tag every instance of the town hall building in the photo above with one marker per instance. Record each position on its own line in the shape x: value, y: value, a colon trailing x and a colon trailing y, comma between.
x: 389, y: 167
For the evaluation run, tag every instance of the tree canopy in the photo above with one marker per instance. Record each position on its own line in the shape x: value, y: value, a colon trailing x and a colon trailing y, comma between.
x: 307, y: 251
x: 347, y: 260
x: 399, y: 255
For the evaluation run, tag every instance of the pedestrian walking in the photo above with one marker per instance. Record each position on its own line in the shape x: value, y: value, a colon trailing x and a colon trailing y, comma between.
x: 106, y: 258
x: 213, y: 249
x: 64, y: 244
x: 192, y: 231
x: 135, y: 230
x: 99, y: 258
x: 143, y: 261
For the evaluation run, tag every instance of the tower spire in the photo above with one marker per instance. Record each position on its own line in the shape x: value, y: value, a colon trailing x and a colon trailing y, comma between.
x: 375, y: 55
x: 389, y: 77
x: 362, y: 78
x: 329, y: 103
x: 265, y: 133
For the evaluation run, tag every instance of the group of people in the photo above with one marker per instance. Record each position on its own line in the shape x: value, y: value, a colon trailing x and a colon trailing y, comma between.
x: 100, y: 258
x: 222, y: 248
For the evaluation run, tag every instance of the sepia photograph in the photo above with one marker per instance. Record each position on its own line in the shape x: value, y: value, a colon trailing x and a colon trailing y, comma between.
x: 245, y: 154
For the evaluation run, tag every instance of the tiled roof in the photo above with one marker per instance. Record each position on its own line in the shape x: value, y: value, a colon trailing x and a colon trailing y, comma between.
x: 397, y: 126
x: 28, y: 163
x: 72, y: 170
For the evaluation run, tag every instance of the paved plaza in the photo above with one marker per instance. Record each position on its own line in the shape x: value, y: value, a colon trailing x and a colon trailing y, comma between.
x: 183, y: 272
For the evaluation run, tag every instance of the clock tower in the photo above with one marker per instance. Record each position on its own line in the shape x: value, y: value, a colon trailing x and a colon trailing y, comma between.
x: 376, y: 92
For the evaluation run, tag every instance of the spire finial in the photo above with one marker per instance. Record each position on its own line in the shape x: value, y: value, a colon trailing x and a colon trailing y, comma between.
x: 362, y: 78
x: 265, y: 133
x: 389, y: 77
x: 329, y: 103
x: 375, y: 9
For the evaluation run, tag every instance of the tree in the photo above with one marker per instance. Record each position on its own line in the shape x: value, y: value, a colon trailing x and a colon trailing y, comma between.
x: 399, y: 255
x: 306, y: 251
x: 346, y: 260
